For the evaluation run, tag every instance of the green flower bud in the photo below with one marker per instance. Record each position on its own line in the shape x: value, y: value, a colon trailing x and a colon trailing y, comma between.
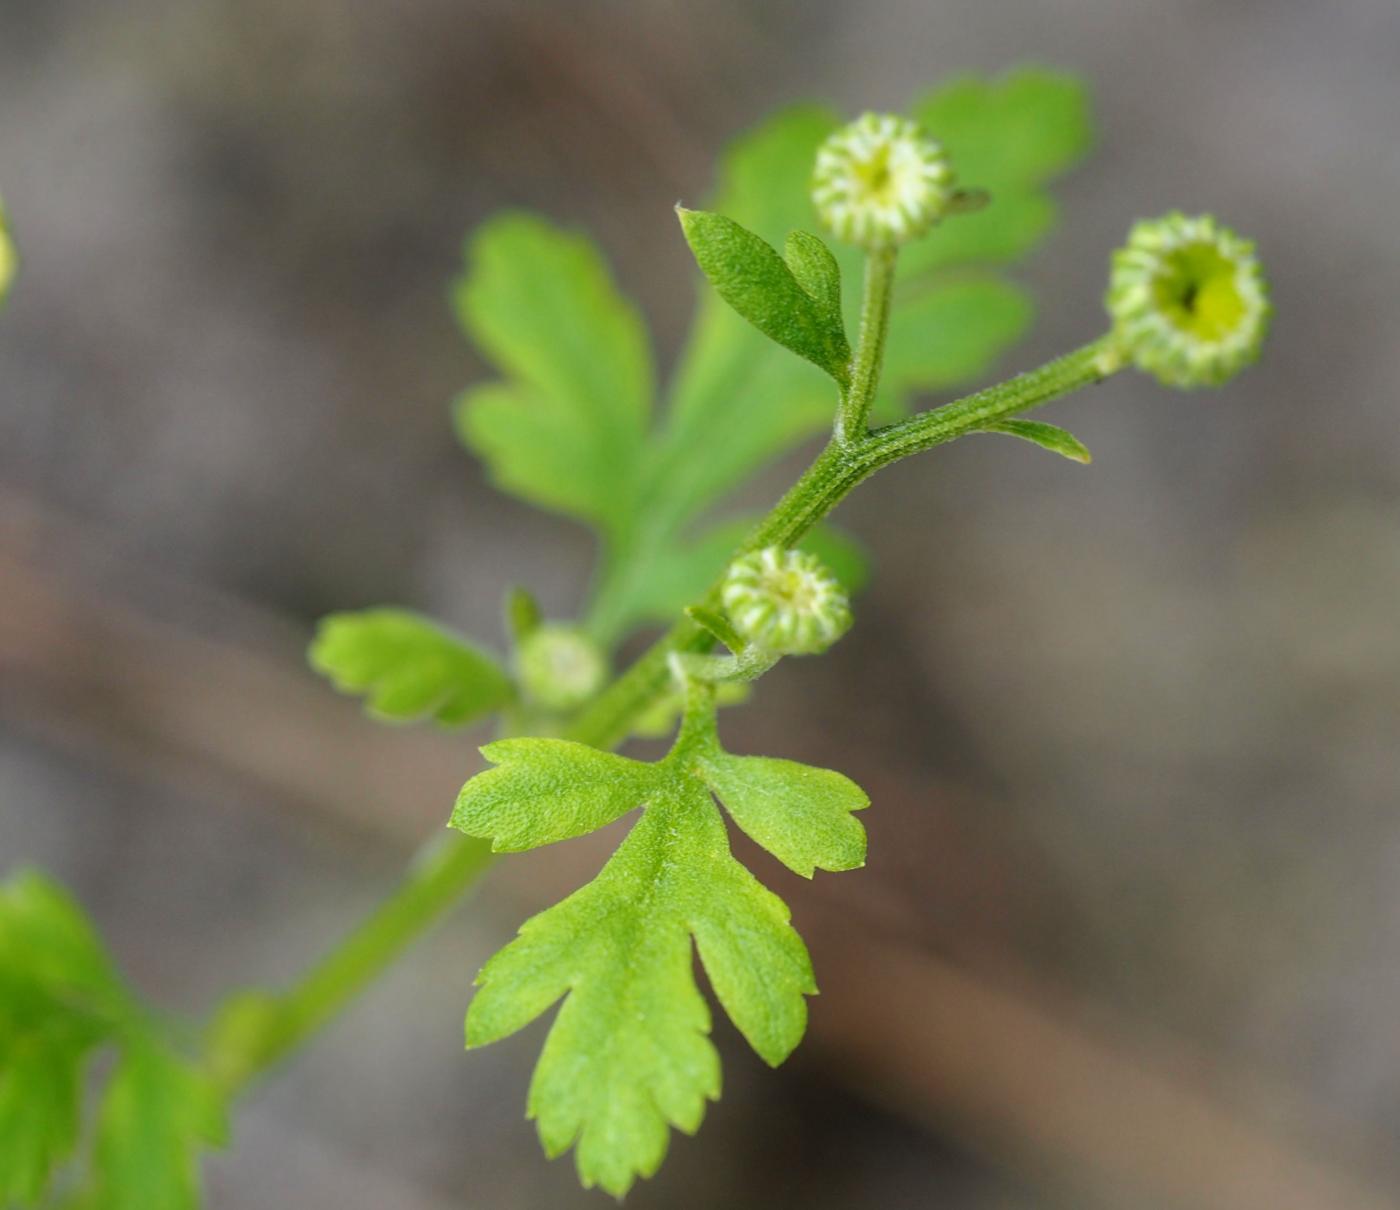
x: 1188, y: 300
x: 559, y: 667
x: 785, y: 601
x: 880, y: 181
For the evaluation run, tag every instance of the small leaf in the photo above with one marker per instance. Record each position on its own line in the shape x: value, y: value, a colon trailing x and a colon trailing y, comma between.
x: 545, y: 790
x: 408, y: 667
x: 800, y: 814
x: 817, y: 273
x: 158, y: 1113
x: 1047, y: 436
x: 753, y: 279
x: 718, y: 625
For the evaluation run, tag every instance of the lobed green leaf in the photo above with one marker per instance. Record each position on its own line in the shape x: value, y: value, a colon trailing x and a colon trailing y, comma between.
x: 1008, y: 135
x: 565, y: 430
x: 60, y: 998
x: 408, y: 667
x: 628, y: 1054
x: 545, y: 790
x: 159, y: 1112
x: 800, y: 814
x: 751, y: 277
x: 818, y: 274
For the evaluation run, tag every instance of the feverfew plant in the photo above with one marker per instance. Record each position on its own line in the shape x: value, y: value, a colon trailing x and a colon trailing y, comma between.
x: 571, y: 425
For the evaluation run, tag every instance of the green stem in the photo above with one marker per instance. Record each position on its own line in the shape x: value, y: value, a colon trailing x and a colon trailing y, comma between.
x: 437, y: 879
x: 853, y: 415
x: 838, y: 469
x: 450, y: 867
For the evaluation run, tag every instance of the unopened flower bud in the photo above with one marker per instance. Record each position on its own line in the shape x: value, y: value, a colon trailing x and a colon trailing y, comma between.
x: 880, y: 181
x: 785, y: 601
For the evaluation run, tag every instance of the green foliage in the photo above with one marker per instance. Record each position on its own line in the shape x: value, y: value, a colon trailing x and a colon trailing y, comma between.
x: 545, y: 790
x: 158, y: 1114
x: 1009, y: 136
x: 407, y: 667
x: 628, y: 1053
x: 573, y: 424
x: 803, y: 316
x: 1047, y: 436
x: 566, y: 427
x: 61, y: 1000
x: 799, y: 814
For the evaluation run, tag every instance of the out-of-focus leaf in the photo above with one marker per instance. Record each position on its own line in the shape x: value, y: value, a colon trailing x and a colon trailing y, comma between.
x: 566, y: 428
x: 407, y: 667
x: 159, y: 1112
x: 1008, y: 135
x: 951, y: 332
x: 59, y: 999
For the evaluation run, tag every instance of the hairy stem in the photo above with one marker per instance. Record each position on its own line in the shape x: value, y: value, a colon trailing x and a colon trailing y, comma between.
x: 439, y: 876
x: 854, y: 412
x: 837, y: 470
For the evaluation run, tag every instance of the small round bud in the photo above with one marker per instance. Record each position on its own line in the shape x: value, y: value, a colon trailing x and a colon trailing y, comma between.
x: 1188, y: 301
x: 559, y: 667
x: 880, y: 181
x: 9, y: 261
x: 785, y: 601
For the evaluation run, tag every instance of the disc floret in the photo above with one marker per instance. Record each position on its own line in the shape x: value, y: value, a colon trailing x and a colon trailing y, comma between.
x: 1188, y: 300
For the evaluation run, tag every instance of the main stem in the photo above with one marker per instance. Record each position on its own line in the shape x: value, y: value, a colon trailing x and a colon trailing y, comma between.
x: 448, y: 867
x: 441, y: 873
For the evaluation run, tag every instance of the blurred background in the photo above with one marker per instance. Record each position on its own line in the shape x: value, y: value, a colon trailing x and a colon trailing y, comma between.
x: 1130, y: 932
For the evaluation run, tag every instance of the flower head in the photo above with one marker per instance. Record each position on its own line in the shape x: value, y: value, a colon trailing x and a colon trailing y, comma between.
x: 1188, y: 300
x: 785, y: 601
x: 559, y: 667
x: 880, y: 181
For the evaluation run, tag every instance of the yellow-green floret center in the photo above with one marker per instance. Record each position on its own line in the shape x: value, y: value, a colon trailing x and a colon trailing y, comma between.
x: 876, y: 176
x: 1198, y: 291
x: 794, y: 589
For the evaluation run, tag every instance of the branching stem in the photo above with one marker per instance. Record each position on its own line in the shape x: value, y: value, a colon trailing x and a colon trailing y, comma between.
x: 854, y: 453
